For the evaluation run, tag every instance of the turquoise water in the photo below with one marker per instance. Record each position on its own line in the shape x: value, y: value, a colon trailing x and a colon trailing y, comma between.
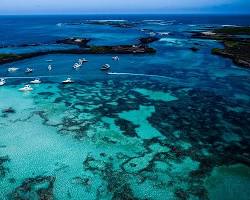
x: 172, y: 125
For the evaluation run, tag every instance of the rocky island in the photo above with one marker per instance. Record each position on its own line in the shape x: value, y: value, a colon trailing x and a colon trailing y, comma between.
x: 81, y: 42
x: 236, y: 41
x: 140, y: 48
x: 113, y: 23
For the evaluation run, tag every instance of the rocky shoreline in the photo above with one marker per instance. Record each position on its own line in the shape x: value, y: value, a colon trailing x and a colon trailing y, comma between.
x: 140, y: 48
x: 119, y: 24
x: 81, y: 42
x: 236, y: 43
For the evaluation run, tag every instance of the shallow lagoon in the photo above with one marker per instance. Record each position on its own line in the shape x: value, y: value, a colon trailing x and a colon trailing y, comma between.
x: 127, y: 136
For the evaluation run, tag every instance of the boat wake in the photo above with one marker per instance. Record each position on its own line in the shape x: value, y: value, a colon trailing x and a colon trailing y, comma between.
x: 132, y: 74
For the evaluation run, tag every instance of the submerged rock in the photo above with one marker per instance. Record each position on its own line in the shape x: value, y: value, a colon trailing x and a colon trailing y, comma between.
x: 194, y: 49
x: 127, y: 127
x: 40, y: 187
x: 3, y: 169
x: 8, y: 110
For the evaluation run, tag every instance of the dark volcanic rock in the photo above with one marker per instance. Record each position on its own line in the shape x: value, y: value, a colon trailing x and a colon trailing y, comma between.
x: 239, y: 52
x: 194, y: 49
x: 148, y: 40
x: 121, y: 49
x: 119, y: 24
x: 81, y: 42
x: 118, y: 49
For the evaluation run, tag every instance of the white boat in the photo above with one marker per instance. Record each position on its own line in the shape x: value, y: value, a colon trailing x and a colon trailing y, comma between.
x: 81, y: 61
x: 105, y: 67
x: 116, y: 58
x: 36, y: 81
x: 49, y: 67
x: 12, y: 69
x: 26, y: 88
x: 68, y: 81
x: 77, y: 65
x: 2, y: 82
x: 28, y: 70
x: 49, y: 60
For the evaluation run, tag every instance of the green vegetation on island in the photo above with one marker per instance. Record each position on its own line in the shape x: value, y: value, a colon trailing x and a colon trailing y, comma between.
x: 82, y: 47
x: 236, y: 43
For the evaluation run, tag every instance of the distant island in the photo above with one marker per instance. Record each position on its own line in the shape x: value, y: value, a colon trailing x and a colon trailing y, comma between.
x: 236, y: 41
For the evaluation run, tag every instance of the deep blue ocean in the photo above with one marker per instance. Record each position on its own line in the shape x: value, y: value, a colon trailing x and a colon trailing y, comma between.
x: 170, y: 125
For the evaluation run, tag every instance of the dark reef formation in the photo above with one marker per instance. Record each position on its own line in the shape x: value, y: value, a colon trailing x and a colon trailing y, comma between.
x: 3, y: 169
x: 7, y: 111
x: 198, y: 116
x: 40, y: 187
x: 236, y: 43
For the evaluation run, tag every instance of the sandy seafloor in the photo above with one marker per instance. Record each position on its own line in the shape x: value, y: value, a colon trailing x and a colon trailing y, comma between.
x: 166, y: 126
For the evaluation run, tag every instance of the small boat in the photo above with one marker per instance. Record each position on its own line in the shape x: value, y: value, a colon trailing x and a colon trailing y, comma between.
x: 36, y: 81
x: 105, y: 67
x: 116, y: 58
x: 77, y: 65
x: 26, y: 88
x: 49, y: 60
x: 68, y: 81
x: 49, y: 67
x: 81, y: 61
x: 12, y: 69
x: 28, y: 70
x: 2, y: 82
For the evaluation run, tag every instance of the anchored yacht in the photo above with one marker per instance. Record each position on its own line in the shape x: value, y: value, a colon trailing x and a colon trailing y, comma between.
x: 26, y: 88
x: 105, y: 67
x: 28, y: 70
x: 49, y: 67
x: 68, y: 81
x: 36, y: 81
x: 81, y: 61
x: 2, y: 82
x: 12, y: 69
x: 116, y: 58
x: 77, y: 65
